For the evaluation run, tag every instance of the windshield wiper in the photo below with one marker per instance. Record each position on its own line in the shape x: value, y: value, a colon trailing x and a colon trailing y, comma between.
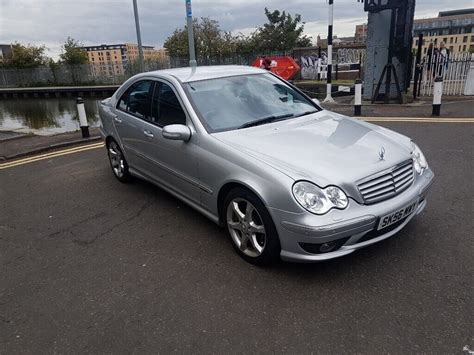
x: 265, y: 120
x: 306, y: 113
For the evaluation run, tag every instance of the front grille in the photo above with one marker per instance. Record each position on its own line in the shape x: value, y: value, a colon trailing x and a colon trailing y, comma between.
x: 386, y: 184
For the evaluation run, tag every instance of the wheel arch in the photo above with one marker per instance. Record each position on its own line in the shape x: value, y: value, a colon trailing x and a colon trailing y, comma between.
x: 224, y: 191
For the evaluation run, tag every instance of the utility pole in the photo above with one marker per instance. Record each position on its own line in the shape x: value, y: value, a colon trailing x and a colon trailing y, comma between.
x: 189, y: 19
x: 329, y: 71
x: 139, y: 37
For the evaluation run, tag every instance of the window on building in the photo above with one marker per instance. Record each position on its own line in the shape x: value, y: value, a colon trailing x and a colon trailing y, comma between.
x: 472, y: 38
x: 455, y: 40
x: 445, y: 39
x: 451, y: 48
x: 459, y: 49
x: 451, y: 40
x: 464, y: 48
x: 464, y: 39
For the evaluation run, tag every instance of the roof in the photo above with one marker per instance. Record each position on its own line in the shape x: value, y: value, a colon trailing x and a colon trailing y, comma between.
x: 456, y: 12
x: 189, y: 74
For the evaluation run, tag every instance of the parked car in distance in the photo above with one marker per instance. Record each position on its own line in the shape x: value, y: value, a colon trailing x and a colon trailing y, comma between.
x: 285, y: 178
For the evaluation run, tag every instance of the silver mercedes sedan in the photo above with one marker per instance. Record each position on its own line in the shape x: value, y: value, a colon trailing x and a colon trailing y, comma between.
x: 285, y: 178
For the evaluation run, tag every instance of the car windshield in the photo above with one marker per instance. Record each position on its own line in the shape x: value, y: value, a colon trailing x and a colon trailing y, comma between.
x: 244, y: 101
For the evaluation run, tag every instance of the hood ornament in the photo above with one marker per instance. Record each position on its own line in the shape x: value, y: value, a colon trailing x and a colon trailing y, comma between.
x: 382, y: 153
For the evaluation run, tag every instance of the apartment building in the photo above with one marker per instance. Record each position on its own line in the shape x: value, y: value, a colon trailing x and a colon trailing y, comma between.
x: 361, y: 33
x: 454, y: 28
x: 5, y: 52
x: 112, y: 59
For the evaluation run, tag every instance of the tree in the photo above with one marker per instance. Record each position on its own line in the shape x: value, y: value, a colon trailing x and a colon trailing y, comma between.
x: 72, y: 53
x: 26, y: 56
x: 281, y: 32
x: 210, y: 40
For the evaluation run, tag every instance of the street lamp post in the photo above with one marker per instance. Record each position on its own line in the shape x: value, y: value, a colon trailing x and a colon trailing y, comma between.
x: 139, y: 36
x: 189, y: 19
x: 329, y: 70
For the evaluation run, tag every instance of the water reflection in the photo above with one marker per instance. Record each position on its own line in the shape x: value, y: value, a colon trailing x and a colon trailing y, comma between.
x: 45, y: 116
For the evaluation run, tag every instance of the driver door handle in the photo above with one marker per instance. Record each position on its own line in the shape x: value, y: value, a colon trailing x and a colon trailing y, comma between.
x: 148, y: 133
x: 117, y: 119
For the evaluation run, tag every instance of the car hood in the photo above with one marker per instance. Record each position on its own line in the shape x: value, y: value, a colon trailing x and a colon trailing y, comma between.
x: 325, y: 147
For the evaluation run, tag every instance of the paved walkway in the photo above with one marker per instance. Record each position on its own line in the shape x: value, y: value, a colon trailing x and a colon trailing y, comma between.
x: 18, y: 145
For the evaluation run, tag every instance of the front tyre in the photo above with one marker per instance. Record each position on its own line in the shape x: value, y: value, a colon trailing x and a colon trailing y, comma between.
x: 117, y: 162
x: 251, y: 228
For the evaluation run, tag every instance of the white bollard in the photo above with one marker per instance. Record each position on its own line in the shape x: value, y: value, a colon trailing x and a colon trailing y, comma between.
x: 82, y: 118
x: 358, y: 98
x: 437, y: 93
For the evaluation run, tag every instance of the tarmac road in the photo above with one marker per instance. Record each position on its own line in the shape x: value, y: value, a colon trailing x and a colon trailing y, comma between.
x: 90, y: 265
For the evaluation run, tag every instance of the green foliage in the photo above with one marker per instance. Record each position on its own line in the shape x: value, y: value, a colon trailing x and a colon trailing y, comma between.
x: 26, y: 56
x: 282, y: 32
x: 210, y: 40
x: 72, y: 52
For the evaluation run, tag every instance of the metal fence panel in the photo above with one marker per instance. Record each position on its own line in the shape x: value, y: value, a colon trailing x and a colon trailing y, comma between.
x: 454, y: 72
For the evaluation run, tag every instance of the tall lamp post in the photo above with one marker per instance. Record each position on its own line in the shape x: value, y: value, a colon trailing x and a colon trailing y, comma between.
x: 139, y: 36
x: 329, y: 72
x: 189, y: 19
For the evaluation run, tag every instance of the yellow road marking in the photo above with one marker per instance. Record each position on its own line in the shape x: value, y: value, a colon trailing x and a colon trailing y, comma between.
x: 50, y: 155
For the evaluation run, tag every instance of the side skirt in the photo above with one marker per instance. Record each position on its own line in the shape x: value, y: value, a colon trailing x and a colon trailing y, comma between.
x: 194, y: 205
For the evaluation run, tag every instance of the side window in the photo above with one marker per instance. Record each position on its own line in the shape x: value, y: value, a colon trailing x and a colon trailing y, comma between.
x: 166, y: 108
x: 136, y: 100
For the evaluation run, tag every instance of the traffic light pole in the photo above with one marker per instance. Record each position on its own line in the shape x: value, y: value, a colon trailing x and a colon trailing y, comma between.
x: 139, y: 36
x: 189, y: 19
x: 329, y: 71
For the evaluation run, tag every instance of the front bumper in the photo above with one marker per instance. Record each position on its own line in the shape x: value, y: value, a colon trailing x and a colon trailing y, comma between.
x: 352, y: 227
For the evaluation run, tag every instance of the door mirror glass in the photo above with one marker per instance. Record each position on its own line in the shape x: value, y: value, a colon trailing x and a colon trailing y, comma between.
x: 177, y: 132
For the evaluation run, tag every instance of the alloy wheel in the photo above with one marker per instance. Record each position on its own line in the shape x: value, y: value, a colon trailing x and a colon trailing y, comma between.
x: 116, y: 160
x: 246, y: 227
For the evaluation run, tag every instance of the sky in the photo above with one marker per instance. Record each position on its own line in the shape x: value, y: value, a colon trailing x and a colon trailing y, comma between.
x: 93, y: 22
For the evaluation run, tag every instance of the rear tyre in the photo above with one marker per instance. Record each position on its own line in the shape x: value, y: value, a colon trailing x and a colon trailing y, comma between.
x: 118, y: 163
x: 251, y: 228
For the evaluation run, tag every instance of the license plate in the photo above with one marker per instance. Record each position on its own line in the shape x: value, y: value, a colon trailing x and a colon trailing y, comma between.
x: 396, y: 216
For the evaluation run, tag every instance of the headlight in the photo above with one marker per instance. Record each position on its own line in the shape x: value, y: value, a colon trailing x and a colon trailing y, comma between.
x: 317, y: 200
x: 419, y: 160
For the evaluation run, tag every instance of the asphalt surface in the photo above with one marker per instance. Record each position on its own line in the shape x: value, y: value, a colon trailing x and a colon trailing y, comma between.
x: 90, y: 265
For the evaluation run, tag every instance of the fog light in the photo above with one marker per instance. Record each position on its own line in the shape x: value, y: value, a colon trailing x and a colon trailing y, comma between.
x: 327, y: 247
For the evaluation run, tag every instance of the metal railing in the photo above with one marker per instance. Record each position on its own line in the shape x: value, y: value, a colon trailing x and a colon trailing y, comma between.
x: 454, y: 71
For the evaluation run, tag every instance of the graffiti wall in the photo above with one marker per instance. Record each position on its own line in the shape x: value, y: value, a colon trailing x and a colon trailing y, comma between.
x: 311, y: 66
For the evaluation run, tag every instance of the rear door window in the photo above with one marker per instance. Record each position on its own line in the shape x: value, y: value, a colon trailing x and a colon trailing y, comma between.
x: 136, y: 100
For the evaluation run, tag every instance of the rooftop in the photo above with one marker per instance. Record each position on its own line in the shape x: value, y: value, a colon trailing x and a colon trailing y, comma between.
x: 456, y: 12
x: 189, y: 74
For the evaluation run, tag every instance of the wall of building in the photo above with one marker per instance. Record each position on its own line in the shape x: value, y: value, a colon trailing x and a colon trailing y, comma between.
x: 455, y: 31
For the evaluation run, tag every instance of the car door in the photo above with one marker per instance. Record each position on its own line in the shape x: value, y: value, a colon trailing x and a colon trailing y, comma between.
x: 132, y: 109
x: 172, y: 163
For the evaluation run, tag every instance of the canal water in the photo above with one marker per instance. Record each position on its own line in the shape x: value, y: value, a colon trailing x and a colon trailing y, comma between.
x: 45, y: 116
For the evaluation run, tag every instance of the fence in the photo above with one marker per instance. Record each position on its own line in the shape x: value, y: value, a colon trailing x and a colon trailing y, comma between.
x: 453, y: 70
x: 347, y: 59
x: 106, y: 74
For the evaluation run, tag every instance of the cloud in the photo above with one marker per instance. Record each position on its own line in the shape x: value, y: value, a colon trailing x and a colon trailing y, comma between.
x: 50, y: 22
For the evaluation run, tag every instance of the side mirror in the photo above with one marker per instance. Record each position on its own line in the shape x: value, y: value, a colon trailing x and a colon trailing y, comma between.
x: 177, y: 132
x: 316, y: 101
